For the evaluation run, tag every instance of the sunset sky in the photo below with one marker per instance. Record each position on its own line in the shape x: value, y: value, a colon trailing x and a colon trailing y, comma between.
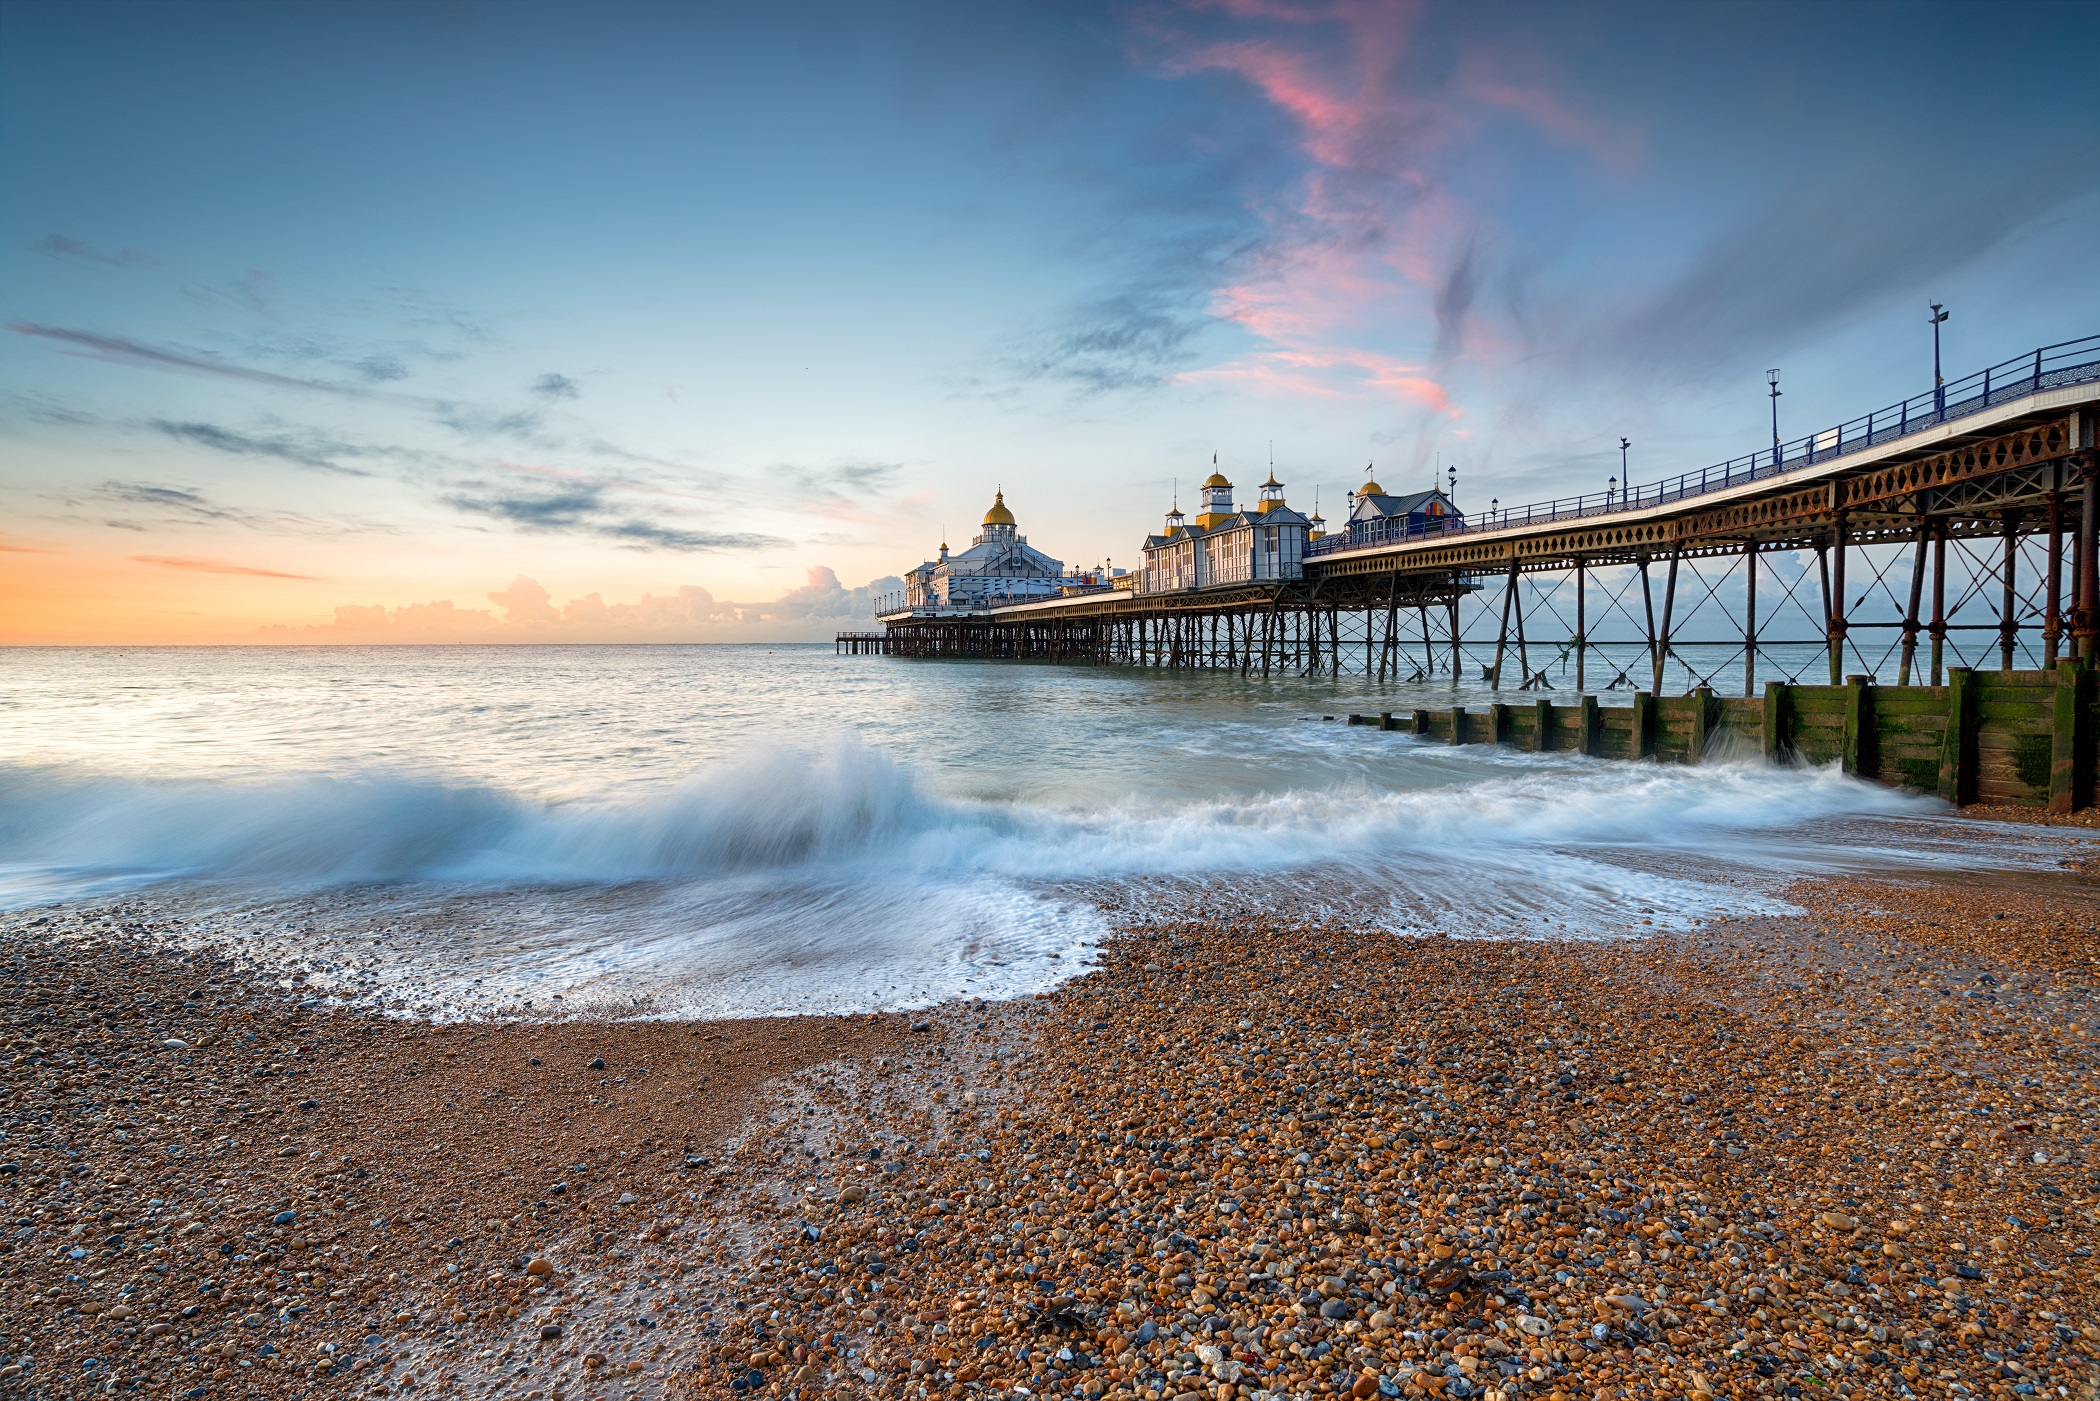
x: 437, y: 322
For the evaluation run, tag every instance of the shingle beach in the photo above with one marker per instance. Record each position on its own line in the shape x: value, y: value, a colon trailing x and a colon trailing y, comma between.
x: 1245, y: 1155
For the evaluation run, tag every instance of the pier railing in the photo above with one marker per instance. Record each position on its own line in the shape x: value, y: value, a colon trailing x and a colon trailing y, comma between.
x: 2047, y: 367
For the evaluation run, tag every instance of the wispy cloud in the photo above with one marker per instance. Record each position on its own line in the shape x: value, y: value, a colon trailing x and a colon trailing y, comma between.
x: 585, y: 509
x: 213, y: 566
x: 306, y: 450
x: 1130, y: 341
x: 861, y: 478
x: 252, y: 291
x: 530, y: 614
x: 553, y: 386
x: 145, y: 506
x: 74, y: 250
x: 123, y: 351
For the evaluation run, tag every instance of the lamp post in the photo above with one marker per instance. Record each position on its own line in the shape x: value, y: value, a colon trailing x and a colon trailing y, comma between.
x: 1611, y: 487
x: 1624, y: 443
x: 1772, y: 378
x: 1939, y: 385
x: 1494, y: 507
x: 1451, y: 483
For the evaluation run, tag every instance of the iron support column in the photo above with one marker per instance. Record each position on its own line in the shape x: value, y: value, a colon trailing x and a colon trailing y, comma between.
x: 2009, y: 612
x: 1917, y: 590
x: 1509, y: 596
x: 1662, y: 646
x: 1938, y: 630
x: 2084, y: 621
x: 1834, y: 601
x: 1749, y: 617
x: 2053, y: 598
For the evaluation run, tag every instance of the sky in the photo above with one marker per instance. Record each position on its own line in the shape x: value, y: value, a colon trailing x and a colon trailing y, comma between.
x: 478, y: 322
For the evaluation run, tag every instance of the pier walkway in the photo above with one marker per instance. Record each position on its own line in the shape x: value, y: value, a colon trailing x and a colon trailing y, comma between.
x: 1957, y: 528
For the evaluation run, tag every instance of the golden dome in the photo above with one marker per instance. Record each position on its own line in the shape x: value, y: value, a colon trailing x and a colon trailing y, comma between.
x: 1216, y: 479
x: 999, y: 515
x: 1370, y: 489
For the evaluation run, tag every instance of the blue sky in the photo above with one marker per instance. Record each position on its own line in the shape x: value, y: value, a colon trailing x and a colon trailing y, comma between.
x: 716, y: 314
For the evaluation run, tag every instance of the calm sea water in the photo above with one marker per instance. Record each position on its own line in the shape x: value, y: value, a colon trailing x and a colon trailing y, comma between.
x: 728, y: 829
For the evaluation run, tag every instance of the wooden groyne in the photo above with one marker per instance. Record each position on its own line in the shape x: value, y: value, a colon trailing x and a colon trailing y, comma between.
x: 2013, y: 738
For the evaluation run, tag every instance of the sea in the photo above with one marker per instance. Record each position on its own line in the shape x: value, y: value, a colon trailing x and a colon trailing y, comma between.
x: 728, y: 830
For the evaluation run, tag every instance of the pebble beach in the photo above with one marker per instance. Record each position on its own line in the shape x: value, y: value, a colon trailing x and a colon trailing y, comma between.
x: 1251, y: 1153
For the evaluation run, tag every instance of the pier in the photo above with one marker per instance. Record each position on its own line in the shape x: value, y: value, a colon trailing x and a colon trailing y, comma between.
x: 1942, y: 544
x: 1957, y: 528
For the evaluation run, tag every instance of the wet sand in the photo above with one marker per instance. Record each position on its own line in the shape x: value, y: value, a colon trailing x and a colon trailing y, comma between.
x: 1846, y: 1153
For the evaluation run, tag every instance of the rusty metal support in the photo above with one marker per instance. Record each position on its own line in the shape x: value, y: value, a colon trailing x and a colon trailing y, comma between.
x: 1834, y: 602
x: 1938, y: 630
x: 1749, y: 617
x: 1662, y: 645
x: 2009, y: 612
x: 2085, y: 614
x: 1917, y: 589
x: 1509, y: 597
x: 2053, y: 598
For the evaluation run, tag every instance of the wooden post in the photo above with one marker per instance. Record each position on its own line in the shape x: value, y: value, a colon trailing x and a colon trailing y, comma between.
x: 1421, y: 722
x: 1702, y: 703
x: 1582, y: 624
x: 1643, y: 725
x: 1859, y: 756
x: 1958, y: 747
x: 1542, y: 727
x: 1592, y: 738
x: 1498, y: 723
x: 1458, y: 724
x: 1458, y: 659
x: 2067, y: 737
x: 1778, y: 716
x: 1917, y: 590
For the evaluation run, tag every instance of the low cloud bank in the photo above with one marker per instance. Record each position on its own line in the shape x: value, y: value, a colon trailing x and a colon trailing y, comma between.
x: 525, y: 612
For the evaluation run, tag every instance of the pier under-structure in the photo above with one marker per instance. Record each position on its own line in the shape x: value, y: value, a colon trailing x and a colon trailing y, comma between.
x: 1960, y: 528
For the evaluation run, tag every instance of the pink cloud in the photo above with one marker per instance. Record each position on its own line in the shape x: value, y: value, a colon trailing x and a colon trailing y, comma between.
x: 1334, y: 374
x: 1616, y: 145
x: 812, y: 612
x: 1359, y: 248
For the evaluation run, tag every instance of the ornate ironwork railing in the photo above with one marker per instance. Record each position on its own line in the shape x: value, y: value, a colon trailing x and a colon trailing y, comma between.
x: 2048, y: 367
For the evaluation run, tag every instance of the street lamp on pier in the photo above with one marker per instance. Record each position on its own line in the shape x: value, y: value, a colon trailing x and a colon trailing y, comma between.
x: 1611, y: 489
x: 1939, y: 385
x: 1772, y: 378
